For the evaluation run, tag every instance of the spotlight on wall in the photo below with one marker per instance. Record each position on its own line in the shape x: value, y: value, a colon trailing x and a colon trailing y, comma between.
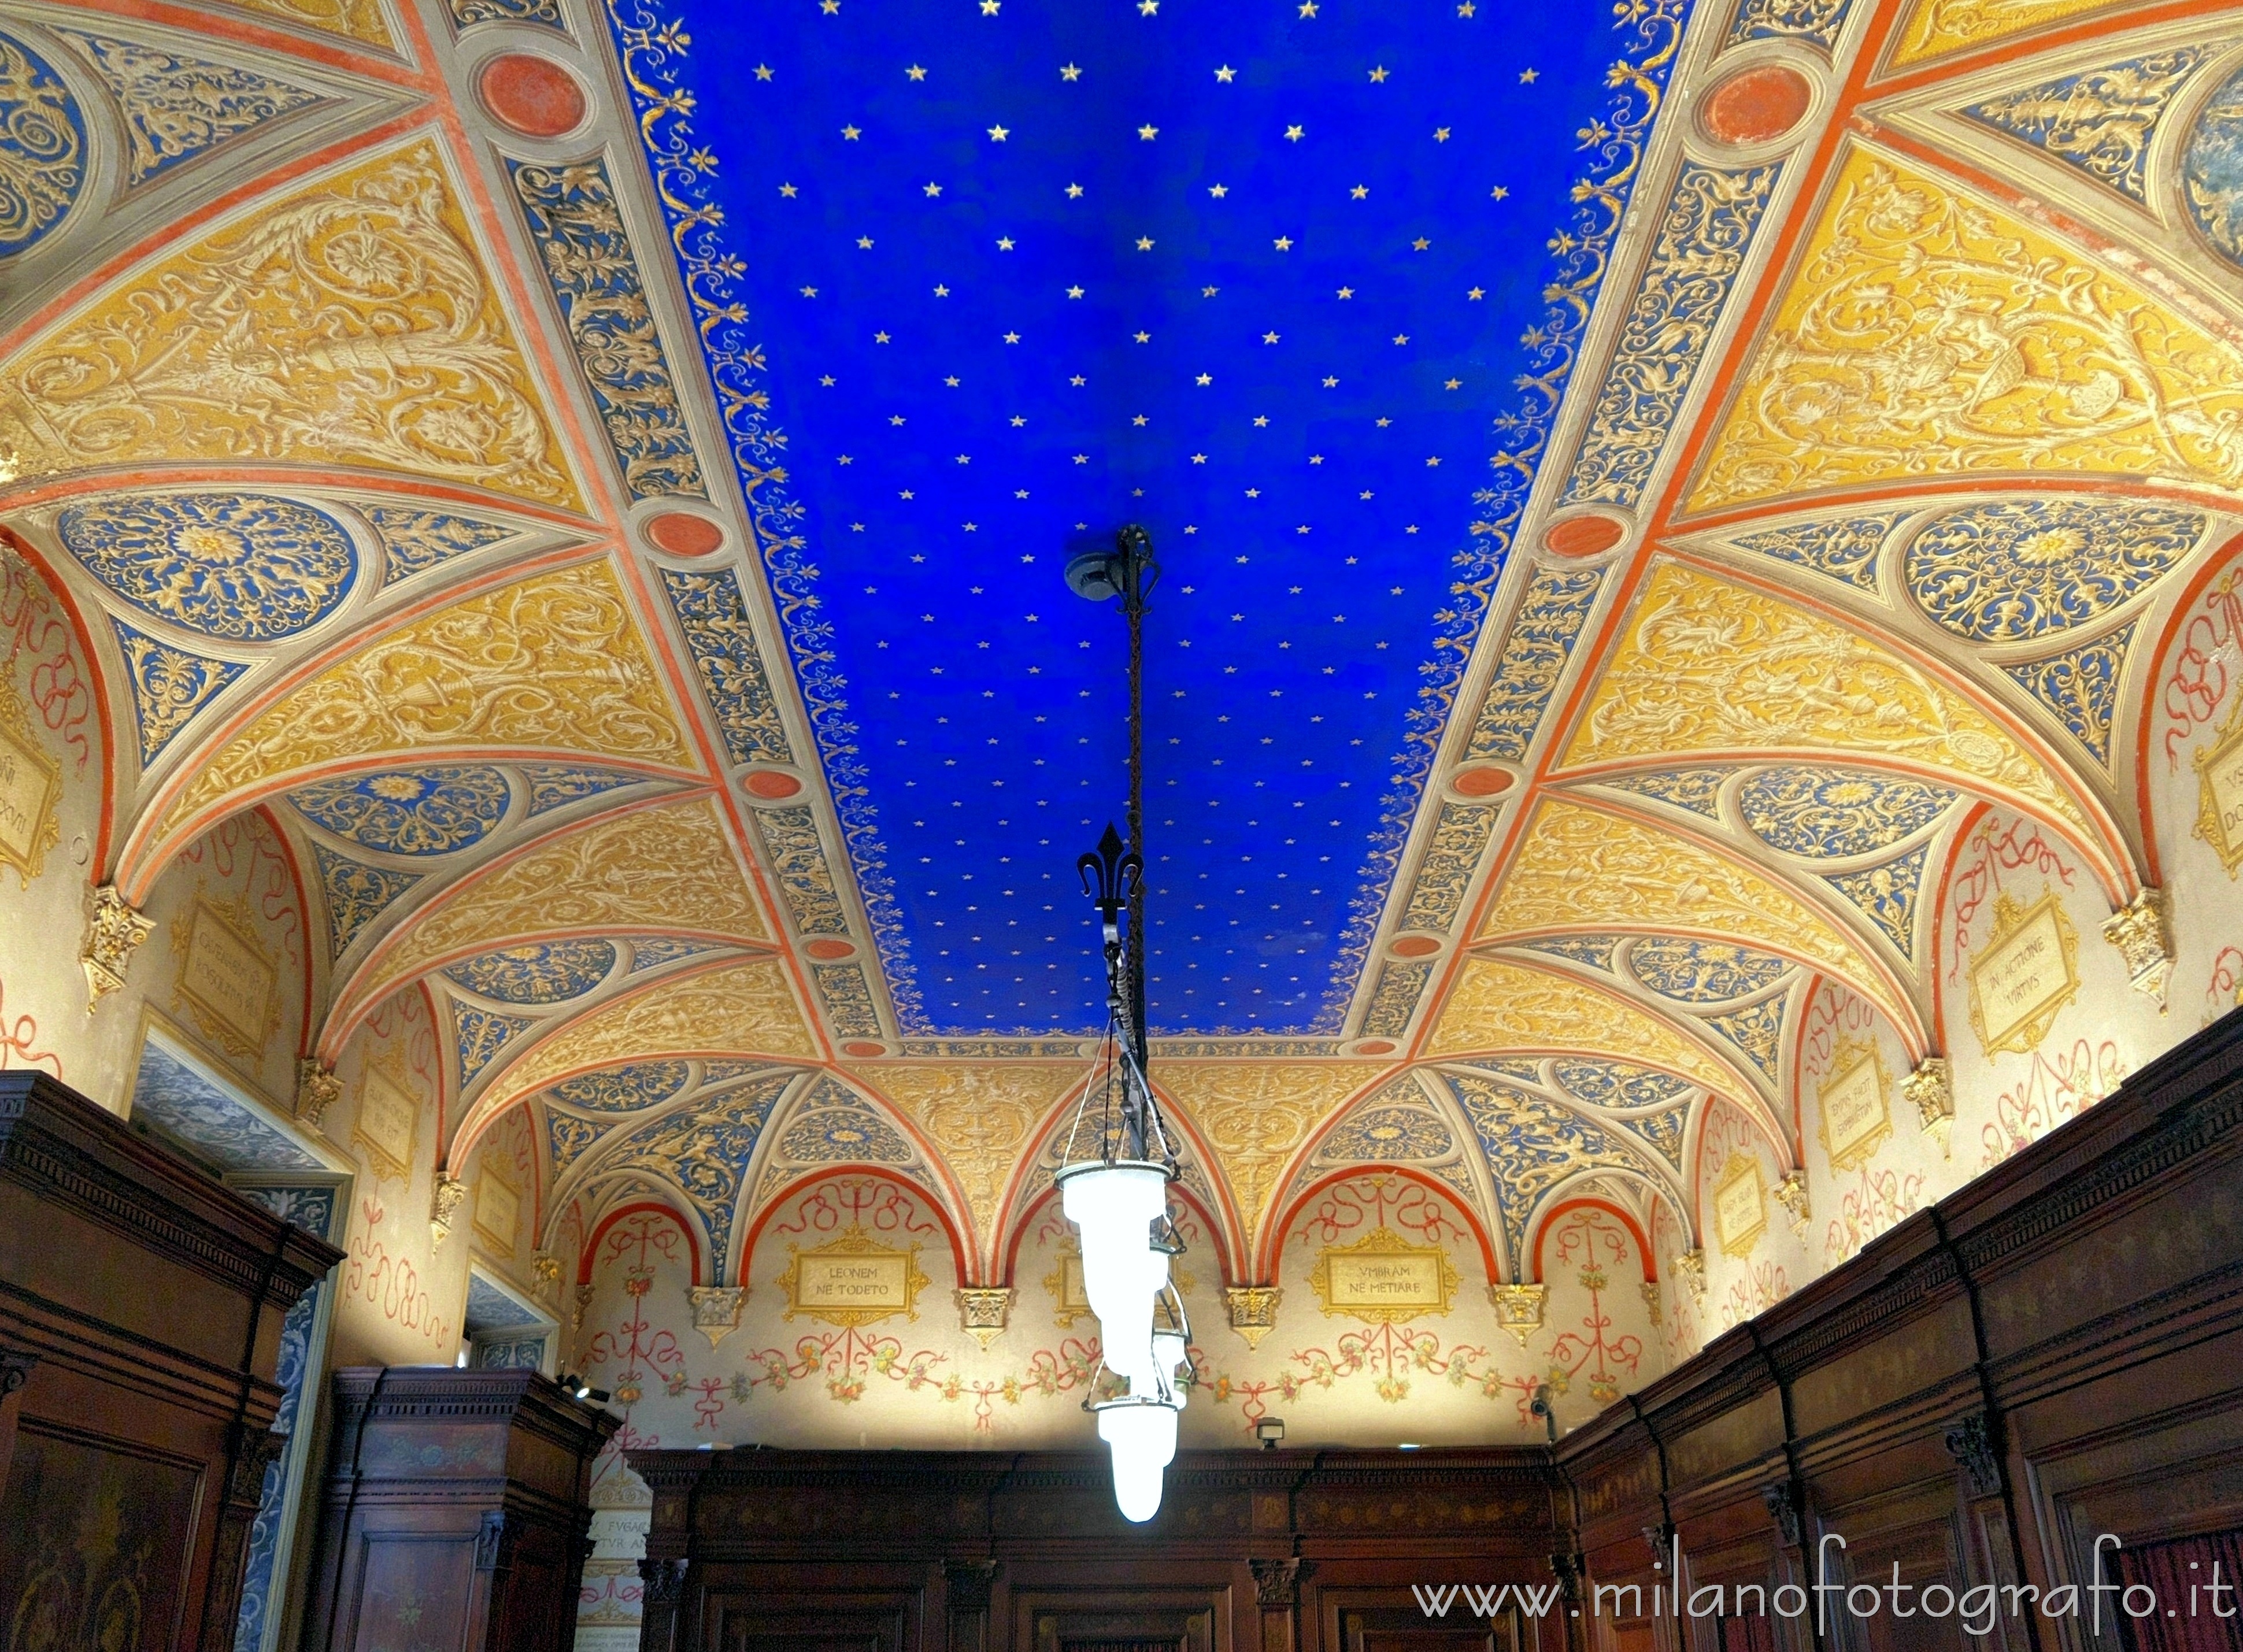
x: 581, y: 1388
x: 1540, y: 1407
x: 1269, y: 1430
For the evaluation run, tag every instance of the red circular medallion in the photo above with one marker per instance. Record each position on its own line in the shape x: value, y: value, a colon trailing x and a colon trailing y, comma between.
x: 535, y: 96
x: 682, y: 533
x: 1757, y: 105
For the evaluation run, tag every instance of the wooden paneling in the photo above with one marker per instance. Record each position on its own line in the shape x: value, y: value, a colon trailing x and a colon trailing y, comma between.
x: 140, y: 1312
x: 454, y: 1512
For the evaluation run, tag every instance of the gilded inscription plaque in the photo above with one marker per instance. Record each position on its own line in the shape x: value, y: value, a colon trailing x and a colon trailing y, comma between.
x: 853, y: 1282
x: 498, y: 1211
x: 2219, y: 792
x: 1070, y: 1302
x: 1855, y: 1117
x: 1384, y: 1279
x: 31, y: 792
x: 1740, y: 1204
x: 227, y: 983
x: 2028, y: 971
x: 384, y: 1127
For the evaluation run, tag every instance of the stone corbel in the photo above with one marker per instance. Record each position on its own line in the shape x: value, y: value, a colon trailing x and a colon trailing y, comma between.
x: 113, y: 933
x: 717, y: 1310
x: 2144, y: 939
x: 1932, y: 1090
x: 1518, y: 1308
x: 1690, y: 1268
x: 1253, y: 1310
x: 317, y: 1090
x: 444, y: 1204
x: 983, y: 1310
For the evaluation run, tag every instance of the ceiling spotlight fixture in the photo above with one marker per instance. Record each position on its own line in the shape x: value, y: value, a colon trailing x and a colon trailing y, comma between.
x: 1114, y: 1185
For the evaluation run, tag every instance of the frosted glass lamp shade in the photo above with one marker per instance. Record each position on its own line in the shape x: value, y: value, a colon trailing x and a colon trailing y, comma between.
x: 1168, y: 1354
x: 1144, y: 1441
x: 1115, y: 1207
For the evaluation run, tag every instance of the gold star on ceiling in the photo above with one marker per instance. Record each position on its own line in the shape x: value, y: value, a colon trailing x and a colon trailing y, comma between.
x: 1209, y: 292
x: 1500, y: 193
x: 1361, y: 191
x: 1293, y: 134
x: 1226, y: 74
x: 1139, y: 419
x: 1013, y: 338
x: 1283, y: 243
x: 1146, y: 134
x: 999, y: 134
x: 1440, y: 134
x: 826, y: 379
x: 763, y: 72
x: 1346, y: 293
x: 1401, y: 338
x: 865, y: 242
x: 1070, y: 71
x: 915, y: 72
x: 1078, y: 381
x: 1419, y: 244
x: 932, y: 190
x: 1268, y: 338
x: 1218, y: 190
x: 940, y: 291
x: 1528, y: 77
x: 880, y: 338
x: 1199, y: 458
x: 1004, y: 243
x: 1204, y: 379
x: 1144, y: 243
x: 851, y: 132
x: 1330, y: 383
x: 789, y: 191
x: 1142, y: 338
x: 1453, y: 384
x: 1378, y: 75
x: 1018, y: 421
x: 1261, y: 419
x: 1074, y: 191
x: 809, y: 292
x: 1476, y: 294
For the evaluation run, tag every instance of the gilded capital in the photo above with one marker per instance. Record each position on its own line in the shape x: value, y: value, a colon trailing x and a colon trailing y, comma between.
x: 1253, y: 1309
x: 2144, y: 939
x: 717, y: 1310
x: 317, y: 1090
x: 983, y: 1310
x: 444, y: 1203
x: 1518, y: 1308
x: 113, y: 933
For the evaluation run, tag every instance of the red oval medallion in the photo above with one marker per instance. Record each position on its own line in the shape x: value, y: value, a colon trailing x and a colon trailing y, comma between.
x: 682, y: 533
x: 1481, y: 783
x: 861, y: 1048
x: 828, y: 949
x: 1375, y: 1047
x: 535, y: 96
x: 770, y: 784
x: 1582, y: 535
x: 1757, y: 105
x: 1415, y: 947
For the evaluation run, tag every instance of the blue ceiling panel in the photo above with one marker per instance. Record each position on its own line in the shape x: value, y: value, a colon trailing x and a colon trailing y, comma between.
x: 978, y: 281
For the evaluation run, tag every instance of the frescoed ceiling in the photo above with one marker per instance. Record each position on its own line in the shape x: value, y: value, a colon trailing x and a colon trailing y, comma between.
x: 1632, y: 484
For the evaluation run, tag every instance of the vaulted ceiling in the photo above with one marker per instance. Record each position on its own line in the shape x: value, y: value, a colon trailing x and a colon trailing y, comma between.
x: 1632, y: 484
